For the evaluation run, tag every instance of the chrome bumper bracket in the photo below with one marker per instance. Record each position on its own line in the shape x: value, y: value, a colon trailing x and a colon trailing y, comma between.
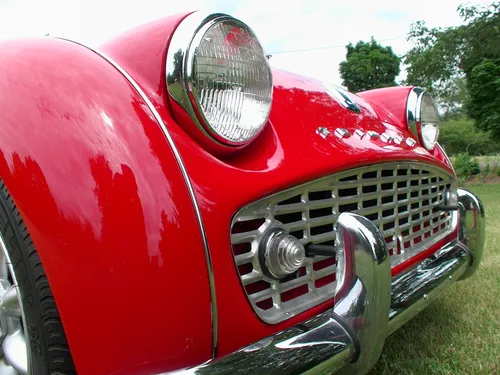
x: 472, y: 228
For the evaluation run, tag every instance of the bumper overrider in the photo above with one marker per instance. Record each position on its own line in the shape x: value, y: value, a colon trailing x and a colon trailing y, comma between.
x: 349, y: 339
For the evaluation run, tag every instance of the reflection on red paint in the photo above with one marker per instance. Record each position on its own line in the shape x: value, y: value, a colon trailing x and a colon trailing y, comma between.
x: 107, y: 208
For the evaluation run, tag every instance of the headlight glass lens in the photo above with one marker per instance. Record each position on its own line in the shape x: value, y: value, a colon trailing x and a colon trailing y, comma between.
x: 429, y: 122
x: 231, y: 82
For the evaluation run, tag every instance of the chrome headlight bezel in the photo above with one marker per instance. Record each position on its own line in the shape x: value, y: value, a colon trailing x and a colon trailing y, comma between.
x: 414, y: 106
x: 180, y: 75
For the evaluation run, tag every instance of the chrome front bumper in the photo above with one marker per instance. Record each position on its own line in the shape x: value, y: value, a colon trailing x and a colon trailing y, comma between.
x: 350, y: 338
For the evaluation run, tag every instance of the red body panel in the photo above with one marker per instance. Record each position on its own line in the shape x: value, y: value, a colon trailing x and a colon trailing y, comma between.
x: 288, y: 152
x: 107, y: 208
x: 390, y: 99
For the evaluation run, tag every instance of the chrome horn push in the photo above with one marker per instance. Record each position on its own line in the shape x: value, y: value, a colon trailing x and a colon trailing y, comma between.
x: 369, y: 306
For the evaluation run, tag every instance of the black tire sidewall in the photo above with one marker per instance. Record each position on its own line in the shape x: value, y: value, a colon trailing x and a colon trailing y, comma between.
x: 25, y: 274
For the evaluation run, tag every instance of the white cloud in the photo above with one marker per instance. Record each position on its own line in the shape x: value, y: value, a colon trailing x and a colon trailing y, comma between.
x: 281, y: 26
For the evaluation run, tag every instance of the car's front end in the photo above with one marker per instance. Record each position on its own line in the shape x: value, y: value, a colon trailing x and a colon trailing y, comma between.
x: 329, y: 224
x: 349, y: 336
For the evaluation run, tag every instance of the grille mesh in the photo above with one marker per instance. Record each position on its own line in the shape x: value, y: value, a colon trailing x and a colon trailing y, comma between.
x: 400, y: 198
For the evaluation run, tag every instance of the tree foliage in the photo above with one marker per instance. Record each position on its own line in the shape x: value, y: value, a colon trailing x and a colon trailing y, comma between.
x: 368, y: 66
x: 453, y: 62
x: 466, y: 166
x: 483, y: 103
x: 460, y: 136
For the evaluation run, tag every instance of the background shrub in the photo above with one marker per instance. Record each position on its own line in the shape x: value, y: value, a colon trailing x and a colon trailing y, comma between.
x: 460, y: 136
x: 466, y: 166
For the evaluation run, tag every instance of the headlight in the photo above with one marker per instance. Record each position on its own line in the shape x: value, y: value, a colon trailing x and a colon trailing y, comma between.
x: 218, y: 73
x: 423, y: 117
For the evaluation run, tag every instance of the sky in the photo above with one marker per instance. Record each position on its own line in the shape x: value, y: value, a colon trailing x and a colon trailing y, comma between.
x: 303, y: 36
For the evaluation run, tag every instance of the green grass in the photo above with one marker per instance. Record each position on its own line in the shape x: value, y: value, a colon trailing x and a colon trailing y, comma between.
x: 460, y: 332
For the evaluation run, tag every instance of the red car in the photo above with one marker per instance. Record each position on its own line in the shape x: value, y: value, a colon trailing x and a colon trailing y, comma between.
x: 169, y: 203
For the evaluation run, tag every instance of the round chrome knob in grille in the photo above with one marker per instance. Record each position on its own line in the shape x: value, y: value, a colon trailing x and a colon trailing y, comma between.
x: 281, y: 254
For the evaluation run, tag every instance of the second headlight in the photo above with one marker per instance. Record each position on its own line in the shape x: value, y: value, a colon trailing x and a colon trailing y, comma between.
x: 221, y: 78
x: 423, y: 117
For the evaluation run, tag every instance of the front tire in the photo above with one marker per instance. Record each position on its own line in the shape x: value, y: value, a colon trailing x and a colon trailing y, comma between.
x: 31, y: 333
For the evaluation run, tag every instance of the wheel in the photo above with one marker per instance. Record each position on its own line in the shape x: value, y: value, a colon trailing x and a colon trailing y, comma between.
x: 31, y: 333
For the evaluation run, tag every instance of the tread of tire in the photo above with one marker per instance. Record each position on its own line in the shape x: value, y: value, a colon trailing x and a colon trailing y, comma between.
x: 59, y: 355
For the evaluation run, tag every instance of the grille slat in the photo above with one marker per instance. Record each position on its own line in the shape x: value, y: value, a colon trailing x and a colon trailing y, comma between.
x: 368, y: 211
x: 298, y: 225
x: 384, y: 194
x: 380, y: 180
x: 322, y: 203
x: 324, y: 272
x: 323, y: 237
x: 323, y: 220
x: 262, y: 295
x: 250, y: 278
x: 237, y: 238
x: 399, y: 198
x: 244, y: 258
x: 289, y: 208
x: 289, y: 285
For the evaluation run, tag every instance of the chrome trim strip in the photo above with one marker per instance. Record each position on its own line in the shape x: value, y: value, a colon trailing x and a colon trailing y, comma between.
x: 414, y: 112
x: 413, y: 105
x: 187, y: 180
x: 450, y: 164
x: 176, y: 63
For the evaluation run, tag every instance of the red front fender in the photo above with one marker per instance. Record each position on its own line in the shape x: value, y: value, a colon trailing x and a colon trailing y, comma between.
x: 390, y: 99
x: 107, y: 208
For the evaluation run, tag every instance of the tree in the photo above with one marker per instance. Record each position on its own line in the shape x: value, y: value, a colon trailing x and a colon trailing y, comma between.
x: 442, y: 60
x: 368, y: 66
x: 483, y: 102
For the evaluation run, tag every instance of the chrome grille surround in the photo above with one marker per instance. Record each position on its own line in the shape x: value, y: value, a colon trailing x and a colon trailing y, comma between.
x: 400, y: 198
